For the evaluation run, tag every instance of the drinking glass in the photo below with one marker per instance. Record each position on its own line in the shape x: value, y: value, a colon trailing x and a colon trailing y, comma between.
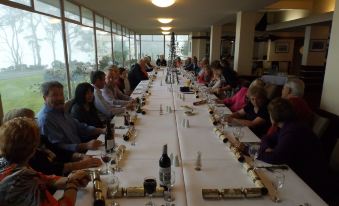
x: 106, y: 157
x: 238, y: 133
x: 253, y: 151
x: 150, y: 185
x: 118, y: 158
x: 169, y: 197
x: 113, y: 186
x: 279, y: 179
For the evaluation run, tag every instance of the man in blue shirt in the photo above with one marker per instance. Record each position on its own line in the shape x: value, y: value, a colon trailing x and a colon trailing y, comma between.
x: 60, y: 128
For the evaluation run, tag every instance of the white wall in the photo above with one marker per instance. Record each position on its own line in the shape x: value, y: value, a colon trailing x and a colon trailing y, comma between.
x: 329, y: 99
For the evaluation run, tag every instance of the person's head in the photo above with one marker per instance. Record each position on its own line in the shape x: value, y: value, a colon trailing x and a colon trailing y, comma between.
x: 204, y: 62
x: 162, y: 57
x: 84, y: 94
x: 53, y: 94
x: 257, y: 96
x: 20, y: 112
x: 195, y: 60
x: 112, y: 74
x: 123, y: 73
x: 293, y: 88
x: 280, y: 110
x: 19, y: 139
x: 142, y: 62
x: 98, y: 78
x: 188, y: 61
x: 257, y: 83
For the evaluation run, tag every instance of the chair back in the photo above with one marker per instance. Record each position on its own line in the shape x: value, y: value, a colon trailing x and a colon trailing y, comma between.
x: 1, y: 111
x: 320, y: 125
x: 334, y: 161
x: 68, y: 105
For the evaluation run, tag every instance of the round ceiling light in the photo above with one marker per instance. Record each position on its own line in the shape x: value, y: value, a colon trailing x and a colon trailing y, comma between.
x: 165, y: 32
x: 163, y: 3
x: 166, y: 28
x: 165, y: 20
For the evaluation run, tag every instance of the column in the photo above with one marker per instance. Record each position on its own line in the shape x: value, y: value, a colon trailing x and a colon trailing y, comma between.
x: 244, y: 42
x: 329, y: 100
x: 312, y: 54
x: 199, y: 45
x: 215, y: 41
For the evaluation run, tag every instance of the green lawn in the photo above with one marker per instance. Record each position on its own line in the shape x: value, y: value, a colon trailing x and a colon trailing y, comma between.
x: 22, y: 92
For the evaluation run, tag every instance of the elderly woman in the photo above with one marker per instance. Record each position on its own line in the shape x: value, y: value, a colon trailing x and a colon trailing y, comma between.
x: 47, y: 162
x: 297, y: 146
x: 254, y: 114
x: 20, y: 184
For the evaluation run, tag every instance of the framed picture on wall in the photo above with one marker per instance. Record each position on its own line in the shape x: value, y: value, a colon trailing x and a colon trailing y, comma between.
x: 317, y: 45
x: 282, y: 47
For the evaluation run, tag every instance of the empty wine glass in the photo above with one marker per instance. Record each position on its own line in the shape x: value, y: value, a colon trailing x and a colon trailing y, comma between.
x: 106, y: 157
x: 253, y: 151
x: 279, y: 179
x: 169, y: 197
x: 134, y: 135
x: 113, y: 186
x: 238, y: 133
x: 118, y: 157
x: 150, y: 185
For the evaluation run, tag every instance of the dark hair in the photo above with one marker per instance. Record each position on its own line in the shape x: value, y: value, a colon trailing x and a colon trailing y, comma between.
x: 46, y: 87
x: 281, y: 110
x: 95, y: 75
x: 80, y: 93
x: 216, y: 64
x: 121, y: 70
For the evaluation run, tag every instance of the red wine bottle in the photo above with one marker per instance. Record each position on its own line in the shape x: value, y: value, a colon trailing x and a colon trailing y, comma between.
x: 164, y: 168
x: 109, y: 137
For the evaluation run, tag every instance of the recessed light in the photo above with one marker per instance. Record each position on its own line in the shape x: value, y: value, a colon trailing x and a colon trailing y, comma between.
x: 166, y: 28
x: 165, y: 32
x: 165, y: 20
x: 163, y: 3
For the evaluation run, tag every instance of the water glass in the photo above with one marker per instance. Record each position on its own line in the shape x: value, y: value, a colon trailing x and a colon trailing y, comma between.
x: 113, y: 186
x: 279, y: 179
x: 253, y: 151
x: 238, y: 133
x: 168, y: 196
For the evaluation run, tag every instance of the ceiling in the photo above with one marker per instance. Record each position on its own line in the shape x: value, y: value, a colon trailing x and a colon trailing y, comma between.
x: 189, y: 15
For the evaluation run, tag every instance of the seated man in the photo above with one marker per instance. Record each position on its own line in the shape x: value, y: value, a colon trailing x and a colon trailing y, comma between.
x: 161, y: 61
x: 107, y: 110
x: 137, y: 74
x: 59, y: 127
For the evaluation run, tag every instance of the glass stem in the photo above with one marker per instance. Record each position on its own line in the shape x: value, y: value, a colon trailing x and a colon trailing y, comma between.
x: 106, y: 168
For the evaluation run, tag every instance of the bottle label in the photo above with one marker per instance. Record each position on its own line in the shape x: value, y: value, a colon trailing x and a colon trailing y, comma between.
x: 165, y: 176
x: 110, y: 144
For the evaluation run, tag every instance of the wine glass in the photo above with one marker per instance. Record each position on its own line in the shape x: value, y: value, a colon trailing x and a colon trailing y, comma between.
x: 169, y: 197
x: 113, y: 186
x: 134, y: 135
x: 150, y: 185
x: 279, y: 179
x: 118, y: 158
x: 238, y: 133
x: 106, y: 157
x: 253, y: 151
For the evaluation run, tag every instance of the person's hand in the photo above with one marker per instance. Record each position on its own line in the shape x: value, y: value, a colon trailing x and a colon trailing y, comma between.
x: 130, y: 105
x: 79, y: 178
x: 90, y: 162
x: 229, y: 119
x: 93, y: 144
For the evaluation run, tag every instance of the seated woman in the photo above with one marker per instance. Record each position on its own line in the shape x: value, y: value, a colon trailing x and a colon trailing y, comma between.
x: 21, y: 185
x: 205, y: 75
x: 297, y: 146
x: 217, y: 82
x: 47, y: 162
x: 122, y: 82
x: 83, y: 108
x: 254, y: 114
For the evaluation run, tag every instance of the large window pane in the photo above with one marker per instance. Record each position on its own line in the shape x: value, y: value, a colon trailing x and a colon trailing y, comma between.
x: 104, y: 49
x: 99, y: 22
x: 107, y: 25
x: 133, y: 58
x: 182, y: 45
x: 81, y: 53
x: 32, y: 51
x: 152, y: 45
x: 117, y: 49
x: 72, y: 11
x: 87, y: 17
x: 126, y: 51
x: 48, y: 6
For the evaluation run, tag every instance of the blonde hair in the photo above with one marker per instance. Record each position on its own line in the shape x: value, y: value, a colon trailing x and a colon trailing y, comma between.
x: 257, y: 83
x: 21, y: 112
x: 19, y: 139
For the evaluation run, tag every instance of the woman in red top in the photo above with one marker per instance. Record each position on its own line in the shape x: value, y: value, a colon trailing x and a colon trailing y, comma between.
x: 21, y: 185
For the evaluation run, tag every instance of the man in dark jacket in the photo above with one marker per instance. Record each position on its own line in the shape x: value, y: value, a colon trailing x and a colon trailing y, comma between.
x: 137, y: 74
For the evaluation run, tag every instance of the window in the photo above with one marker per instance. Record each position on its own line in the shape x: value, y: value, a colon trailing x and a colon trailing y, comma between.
x: 24, y: 2
x: 152, y: 45
x: 99, y: 22
x: 81, y: 53
x: 117, y: 49
x: 137, y: 46
x: 32, y: 45
x: 48, y: 6
x: 126, y: 51
x: 181, y: 43
x: 107, y: 25
x: 72, y: 11
x: 133, y: 57
x: 104, y: 47
x: 87, y: 17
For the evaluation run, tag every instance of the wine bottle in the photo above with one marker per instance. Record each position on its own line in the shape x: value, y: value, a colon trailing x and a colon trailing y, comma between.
x: 109, y: 137
x: 126, y: 119
x: 164, y: 168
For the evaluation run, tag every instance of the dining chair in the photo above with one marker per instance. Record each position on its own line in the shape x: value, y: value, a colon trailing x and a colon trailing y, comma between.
x: 320, y: 124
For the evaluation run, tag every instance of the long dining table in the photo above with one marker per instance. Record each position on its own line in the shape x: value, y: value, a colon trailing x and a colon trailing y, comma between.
x: 219, y: 168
